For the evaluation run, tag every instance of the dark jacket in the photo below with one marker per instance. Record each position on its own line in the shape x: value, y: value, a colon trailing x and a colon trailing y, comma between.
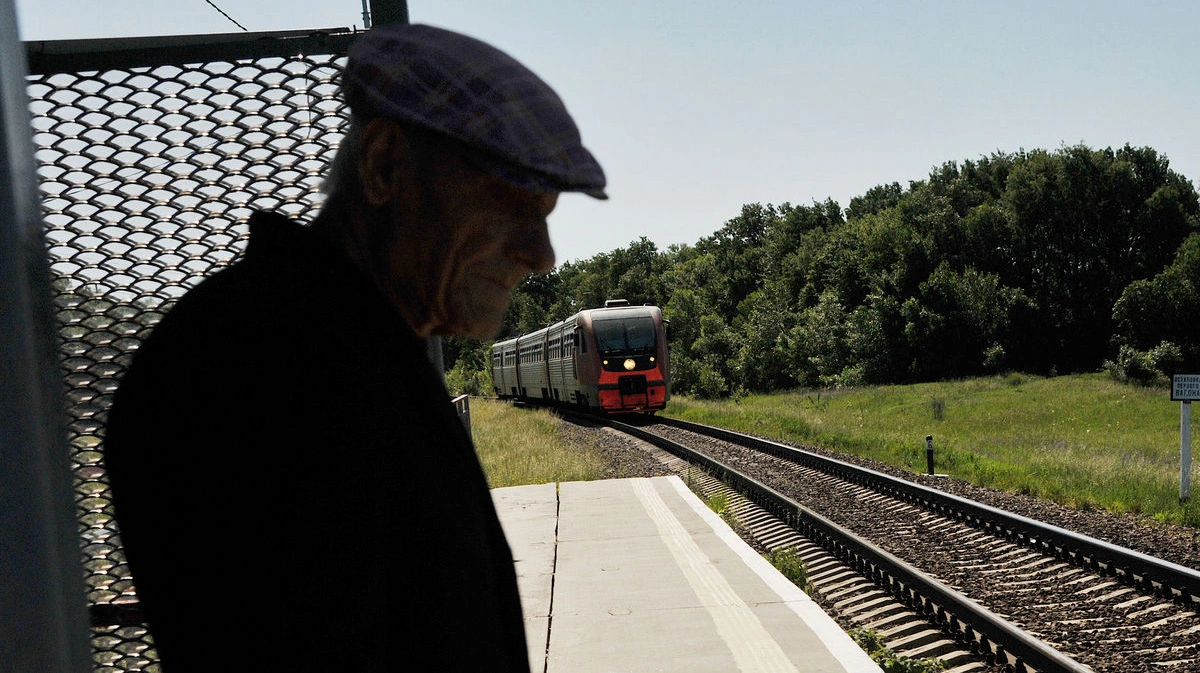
x: 293, y: 488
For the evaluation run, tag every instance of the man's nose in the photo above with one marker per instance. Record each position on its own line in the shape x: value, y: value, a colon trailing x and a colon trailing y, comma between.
x: 533, y: 249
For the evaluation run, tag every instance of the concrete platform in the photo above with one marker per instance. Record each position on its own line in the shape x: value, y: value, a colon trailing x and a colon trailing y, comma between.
x: 639, y: 575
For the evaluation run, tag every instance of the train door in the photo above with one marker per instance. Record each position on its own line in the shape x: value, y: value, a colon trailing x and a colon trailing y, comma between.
x: 574, y: 346
x: 570, y: 340
x: 554, y: 362
x: 510, y: 368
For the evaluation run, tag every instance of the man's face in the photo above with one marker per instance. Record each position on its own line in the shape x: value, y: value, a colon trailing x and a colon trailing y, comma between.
x: 463, y: 239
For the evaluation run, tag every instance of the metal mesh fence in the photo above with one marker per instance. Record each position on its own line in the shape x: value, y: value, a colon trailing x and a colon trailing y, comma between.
x: 147, y: 176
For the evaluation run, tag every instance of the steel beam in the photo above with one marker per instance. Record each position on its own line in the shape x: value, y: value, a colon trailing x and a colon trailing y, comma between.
x: 43, y: 613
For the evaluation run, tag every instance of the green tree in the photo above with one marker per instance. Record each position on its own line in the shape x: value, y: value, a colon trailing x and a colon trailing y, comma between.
x: 762, y: 360
x: 470, y: 370
x: 874, y: 342
x: 1085, y: 224
x: 961, y: 323
x: 635, y: 273
x: 738, y: 255
x: 531, y: 305
x: 876, y: 199
x: 818, y: 342
x: 1163, y: 308
x: 1032, y: 260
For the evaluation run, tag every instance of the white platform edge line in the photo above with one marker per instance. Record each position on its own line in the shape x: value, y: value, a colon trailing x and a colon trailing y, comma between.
x: 752, y: 646
x: 852, y: 657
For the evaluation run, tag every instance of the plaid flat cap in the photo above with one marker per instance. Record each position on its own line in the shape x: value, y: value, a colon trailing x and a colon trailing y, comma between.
x: 472, y: 92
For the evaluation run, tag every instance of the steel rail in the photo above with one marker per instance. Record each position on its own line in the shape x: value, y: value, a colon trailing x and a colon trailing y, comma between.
x: 1166, y: 579
x: 971, y: 623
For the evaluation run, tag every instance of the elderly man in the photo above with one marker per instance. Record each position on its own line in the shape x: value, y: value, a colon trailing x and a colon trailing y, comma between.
x: 294, y: 490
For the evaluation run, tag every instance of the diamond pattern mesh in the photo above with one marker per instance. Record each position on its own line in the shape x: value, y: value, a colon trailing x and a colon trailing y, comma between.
x: 147, y: 177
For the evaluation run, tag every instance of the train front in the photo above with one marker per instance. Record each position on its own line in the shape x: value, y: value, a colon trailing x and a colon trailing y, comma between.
x: 632, y: 348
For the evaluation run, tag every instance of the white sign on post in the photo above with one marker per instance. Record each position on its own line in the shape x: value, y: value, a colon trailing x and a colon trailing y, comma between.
x: 1185, y: 388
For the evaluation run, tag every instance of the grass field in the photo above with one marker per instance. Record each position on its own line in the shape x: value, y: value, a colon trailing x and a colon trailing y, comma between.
x: 1082, y: 440
x: 521, y: 446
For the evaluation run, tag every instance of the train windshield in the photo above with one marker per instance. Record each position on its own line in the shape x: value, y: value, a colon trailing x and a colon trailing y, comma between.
x: 625, y: 334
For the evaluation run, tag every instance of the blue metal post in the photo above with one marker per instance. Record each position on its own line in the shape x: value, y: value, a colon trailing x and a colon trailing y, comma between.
x: 43, y: 612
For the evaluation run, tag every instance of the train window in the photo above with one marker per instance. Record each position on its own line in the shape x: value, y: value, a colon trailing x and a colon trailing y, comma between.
x: 625, y: 334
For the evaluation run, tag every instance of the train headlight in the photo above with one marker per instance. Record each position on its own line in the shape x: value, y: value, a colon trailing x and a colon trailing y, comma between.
x: 629, y: 364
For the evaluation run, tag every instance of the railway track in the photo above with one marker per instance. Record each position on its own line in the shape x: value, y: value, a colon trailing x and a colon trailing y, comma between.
x: 1009, y: 589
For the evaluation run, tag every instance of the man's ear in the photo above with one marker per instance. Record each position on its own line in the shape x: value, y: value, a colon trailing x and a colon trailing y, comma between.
x: 384, y: 151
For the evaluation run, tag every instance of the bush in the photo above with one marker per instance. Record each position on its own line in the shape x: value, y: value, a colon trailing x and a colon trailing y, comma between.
x: 1150, y: 367
x: 710, y: 385
x: 463, y: 380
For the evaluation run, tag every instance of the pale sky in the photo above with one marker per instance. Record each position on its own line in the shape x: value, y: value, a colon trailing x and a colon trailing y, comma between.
x: 696, y: 108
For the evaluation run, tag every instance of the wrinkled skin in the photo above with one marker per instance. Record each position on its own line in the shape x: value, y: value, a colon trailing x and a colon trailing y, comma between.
x: 445, y: 241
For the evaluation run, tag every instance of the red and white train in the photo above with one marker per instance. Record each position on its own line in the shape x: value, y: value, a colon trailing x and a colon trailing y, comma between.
x: 611, y: 359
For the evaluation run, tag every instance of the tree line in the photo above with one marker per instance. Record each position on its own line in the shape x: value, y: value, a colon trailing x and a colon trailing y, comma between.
x: 1043, y: 262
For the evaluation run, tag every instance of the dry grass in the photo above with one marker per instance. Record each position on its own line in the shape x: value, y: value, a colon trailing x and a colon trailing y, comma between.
x: 522, y: 446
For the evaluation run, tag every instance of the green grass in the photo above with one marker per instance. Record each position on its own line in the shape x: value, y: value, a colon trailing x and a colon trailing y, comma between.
x: 518, y: 447
x: 890, y: 662
x: 719, y: 504
x: 1082, y: 440
x: 788, y: 562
